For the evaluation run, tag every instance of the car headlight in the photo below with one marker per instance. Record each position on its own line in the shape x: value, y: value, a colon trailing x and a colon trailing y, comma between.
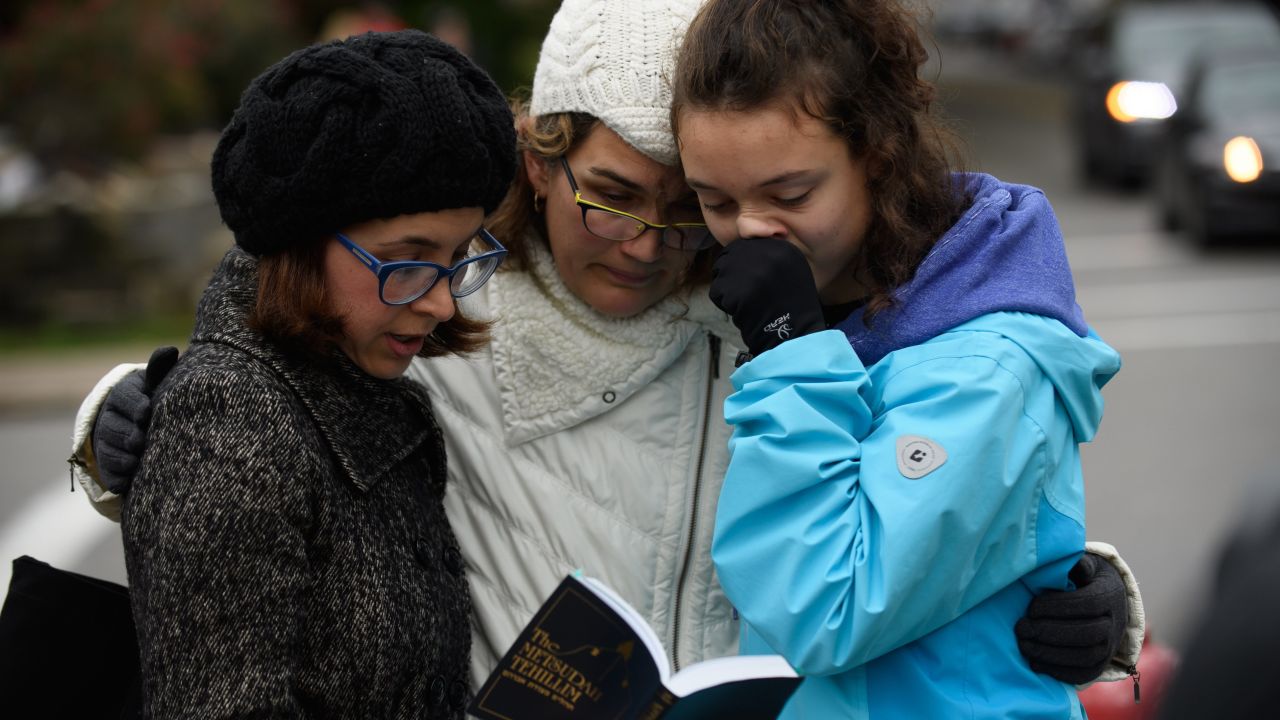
x: 1242, y: 159
x: 1130, y: 100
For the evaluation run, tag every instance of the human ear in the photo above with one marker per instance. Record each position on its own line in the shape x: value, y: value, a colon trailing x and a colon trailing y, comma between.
x: 538, y: 169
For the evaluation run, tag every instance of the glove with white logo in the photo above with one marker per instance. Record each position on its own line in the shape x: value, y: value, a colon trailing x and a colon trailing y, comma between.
x: 766, y: 286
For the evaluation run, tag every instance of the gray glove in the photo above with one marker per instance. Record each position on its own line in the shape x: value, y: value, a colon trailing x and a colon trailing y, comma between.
x: 120, y: 430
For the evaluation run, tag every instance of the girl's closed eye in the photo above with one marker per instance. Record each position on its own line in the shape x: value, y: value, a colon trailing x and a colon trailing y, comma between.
x: 715, y: 207
x: 796, y: 200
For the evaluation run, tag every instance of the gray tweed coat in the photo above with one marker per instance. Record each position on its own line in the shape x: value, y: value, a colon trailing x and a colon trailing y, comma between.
x: 286, y: 543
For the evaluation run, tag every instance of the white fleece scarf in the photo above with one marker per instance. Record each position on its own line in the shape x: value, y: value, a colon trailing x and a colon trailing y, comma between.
x: 559, y: 362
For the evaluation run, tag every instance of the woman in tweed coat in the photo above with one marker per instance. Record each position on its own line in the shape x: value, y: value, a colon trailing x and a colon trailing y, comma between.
x: 286, y: 541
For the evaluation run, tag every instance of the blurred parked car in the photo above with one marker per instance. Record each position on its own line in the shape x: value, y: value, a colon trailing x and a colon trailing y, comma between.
x: 1219, y: 169
x: 1132, y: 76
x: 1041, y: 31
x: 990, y: 23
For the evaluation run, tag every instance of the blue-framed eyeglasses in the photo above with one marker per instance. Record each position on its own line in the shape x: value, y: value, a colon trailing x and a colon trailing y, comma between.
x: 610, y: 224
x: 402, y: 282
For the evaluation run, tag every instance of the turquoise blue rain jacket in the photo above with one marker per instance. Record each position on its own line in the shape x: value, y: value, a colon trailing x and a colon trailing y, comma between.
x: 897, y: 494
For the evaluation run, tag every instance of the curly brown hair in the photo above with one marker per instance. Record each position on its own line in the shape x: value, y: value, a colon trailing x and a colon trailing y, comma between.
x: 853, y: 65
x: 549, y: 137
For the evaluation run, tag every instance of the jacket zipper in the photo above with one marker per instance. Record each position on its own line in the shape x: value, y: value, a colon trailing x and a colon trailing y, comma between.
x: 697, y: 491
x: 73, y: 462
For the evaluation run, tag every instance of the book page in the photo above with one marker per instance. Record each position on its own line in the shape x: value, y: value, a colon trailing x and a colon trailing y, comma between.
x: 727, y: 669
x: 636, y: 621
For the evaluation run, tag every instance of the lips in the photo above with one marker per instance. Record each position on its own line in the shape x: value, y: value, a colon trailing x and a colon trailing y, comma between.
x: 405, y: 345
x: 625, y: 278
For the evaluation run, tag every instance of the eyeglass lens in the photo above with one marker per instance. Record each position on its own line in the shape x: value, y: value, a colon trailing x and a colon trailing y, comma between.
x: 407, y: 283
x: 621, y: 228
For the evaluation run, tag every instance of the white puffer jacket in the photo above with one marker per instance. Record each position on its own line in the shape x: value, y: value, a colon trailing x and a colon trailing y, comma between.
x: 581, y: 441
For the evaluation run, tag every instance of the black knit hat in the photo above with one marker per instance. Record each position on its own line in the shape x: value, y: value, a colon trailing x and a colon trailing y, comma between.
x: 374, y: 126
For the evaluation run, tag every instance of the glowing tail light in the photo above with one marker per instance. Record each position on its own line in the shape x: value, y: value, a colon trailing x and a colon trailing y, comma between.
x: 1242, y: 159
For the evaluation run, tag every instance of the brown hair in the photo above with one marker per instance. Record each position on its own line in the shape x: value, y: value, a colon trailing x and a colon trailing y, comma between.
x: 852, y: 64
x: 294, y: 308
x: 549, y: 137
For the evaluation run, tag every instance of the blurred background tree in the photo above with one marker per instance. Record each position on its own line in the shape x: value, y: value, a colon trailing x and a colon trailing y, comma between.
x: 88, y: 82
x: 84, y: 83
x: 109, y: 111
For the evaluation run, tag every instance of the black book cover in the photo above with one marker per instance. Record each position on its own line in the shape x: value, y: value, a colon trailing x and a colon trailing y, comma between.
x: 587, y: 654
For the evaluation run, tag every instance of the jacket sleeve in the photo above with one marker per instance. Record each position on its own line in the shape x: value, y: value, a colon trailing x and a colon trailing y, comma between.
x: 829, y: 550
x: 214, y: 531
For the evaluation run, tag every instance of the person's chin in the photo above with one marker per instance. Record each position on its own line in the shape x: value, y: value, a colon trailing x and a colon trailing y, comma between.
x: 385, y: 368
x: 623, y: 302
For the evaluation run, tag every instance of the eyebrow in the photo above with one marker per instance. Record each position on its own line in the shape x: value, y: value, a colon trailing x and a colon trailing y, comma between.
x: 776, y: 180
x: 424, y: 241
x: 611, y: 175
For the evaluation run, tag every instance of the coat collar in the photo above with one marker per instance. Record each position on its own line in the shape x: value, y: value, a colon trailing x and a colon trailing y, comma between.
x: 559, y: 363
x: 368, y: 424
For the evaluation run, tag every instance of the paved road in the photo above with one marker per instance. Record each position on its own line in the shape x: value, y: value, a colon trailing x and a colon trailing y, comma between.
x: 39, y: 513
x: 1189, y: 436
x: 39, y: 516
x: 1191, y: 420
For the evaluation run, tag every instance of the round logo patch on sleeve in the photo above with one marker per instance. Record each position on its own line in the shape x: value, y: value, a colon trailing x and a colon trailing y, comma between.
x: 918, y: 456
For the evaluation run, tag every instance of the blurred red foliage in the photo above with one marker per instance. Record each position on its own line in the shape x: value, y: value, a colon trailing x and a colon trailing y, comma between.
x: 84, y: 83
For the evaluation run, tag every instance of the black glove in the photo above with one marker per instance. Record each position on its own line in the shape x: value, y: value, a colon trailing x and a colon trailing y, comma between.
x: 766, y: 286
x: 120, y: 431
x: 1072, y: 635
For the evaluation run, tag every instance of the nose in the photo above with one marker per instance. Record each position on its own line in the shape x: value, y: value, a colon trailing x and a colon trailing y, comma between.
x: 647, y: 247
x: 759, y: 225
x: 436, y: 302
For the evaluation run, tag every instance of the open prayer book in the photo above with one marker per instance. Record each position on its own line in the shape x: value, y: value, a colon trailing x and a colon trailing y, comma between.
x: 588, y: 654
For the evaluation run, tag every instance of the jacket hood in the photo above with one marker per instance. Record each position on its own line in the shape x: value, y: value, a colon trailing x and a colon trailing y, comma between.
x: 1077, y: 367
x: 1006, y: 255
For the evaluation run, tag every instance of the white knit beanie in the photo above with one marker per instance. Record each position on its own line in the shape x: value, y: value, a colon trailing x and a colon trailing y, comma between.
x: 612, y: 59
